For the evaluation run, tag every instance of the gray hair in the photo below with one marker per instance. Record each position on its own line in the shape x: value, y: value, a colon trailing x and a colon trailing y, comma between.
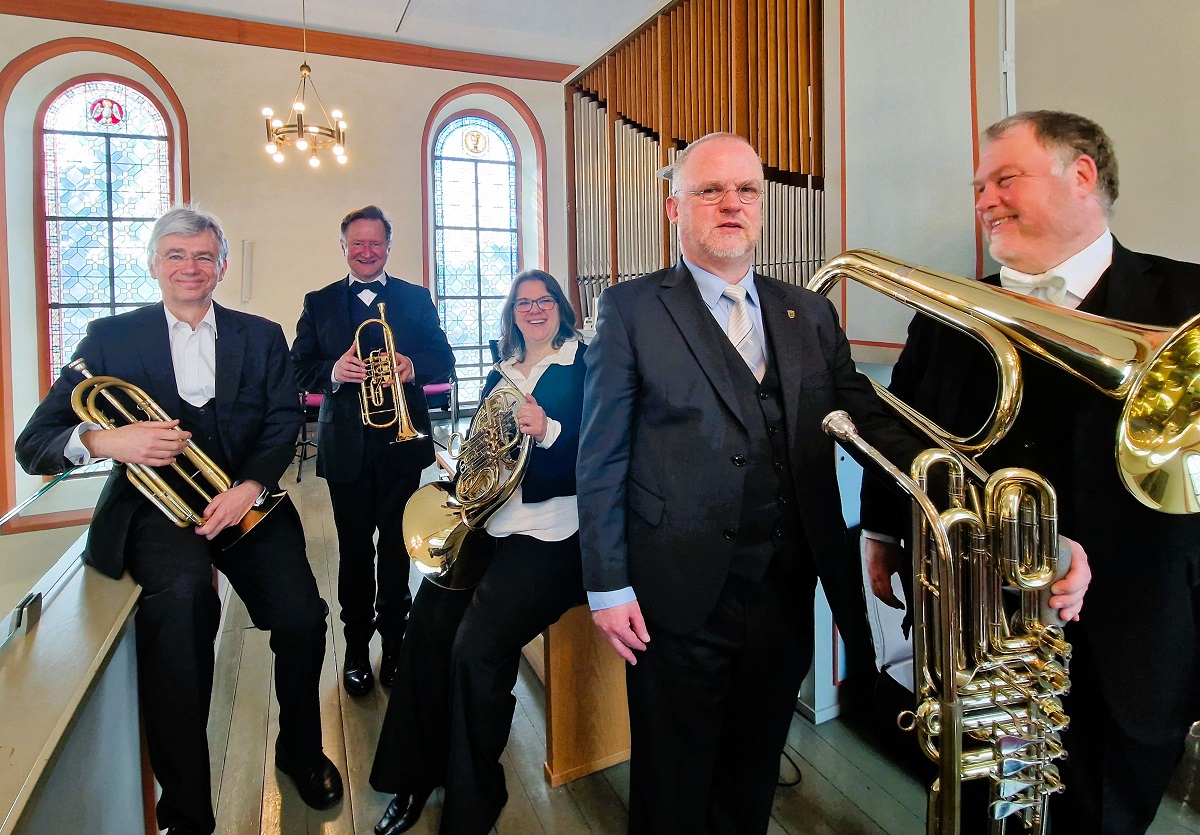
x: 670, y: 172
x: 1069, y: 136
x: 187, y: 221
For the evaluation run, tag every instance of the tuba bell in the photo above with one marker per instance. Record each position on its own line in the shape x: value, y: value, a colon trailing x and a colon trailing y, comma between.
x: 988, y: 687
x: 381, y: 397
x: 443, y: 520
x: 149, y: 482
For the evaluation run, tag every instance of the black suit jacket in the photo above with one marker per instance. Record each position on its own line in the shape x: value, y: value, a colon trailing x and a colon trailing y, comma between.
x: 258, y: 415
x: 323, y: 334
x: 1138, y: 610
x: 662, y: 426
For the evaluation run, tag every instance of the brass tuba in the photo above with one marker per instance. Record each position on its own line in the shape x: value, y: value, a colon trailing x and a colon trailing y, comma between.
x: 147, y: 479
x: 441, y: 519
x: 987, y: 688
x: 382, y: 395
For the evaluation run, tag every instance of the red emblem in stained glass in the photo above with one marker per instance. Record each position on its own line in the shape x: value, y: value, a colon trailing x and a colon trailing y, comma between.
x: 107, y: 112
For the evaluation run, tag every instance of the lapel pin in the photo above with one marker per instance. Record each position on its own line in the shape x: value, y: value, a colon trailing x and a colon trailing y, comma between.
x: 791, y: 314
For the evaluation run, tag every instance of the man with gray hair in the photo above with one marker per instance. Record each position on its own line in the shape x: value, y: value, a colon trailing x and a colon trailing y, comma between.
x: 227, y: 378
x: 1044, y: 190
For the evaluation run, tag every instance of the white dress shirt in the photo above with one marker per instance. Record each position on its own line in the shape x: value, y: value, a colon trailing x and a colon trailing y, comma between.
x: 554, y: 519
x: 194, y: 358
x: 1081, y: 271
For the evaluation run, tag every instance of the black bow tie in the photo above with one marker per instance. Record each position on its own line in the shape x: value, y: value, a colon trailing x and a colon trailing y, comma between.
x: 373, y: 286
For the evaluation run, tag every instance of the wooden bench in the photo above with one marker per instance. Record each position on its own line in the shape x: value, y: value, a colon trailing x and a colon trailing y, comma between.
x: 587, y: 715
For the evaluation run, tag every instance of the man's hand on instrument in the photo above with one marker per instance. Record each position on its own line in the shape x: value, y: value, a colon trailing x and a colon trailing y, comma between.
x: 624, y: 628
x: 229, y: 507
x: 404, y: 368
x: 154, y: 443
x: 1069, y: 591
x: 349, y: 368
x: 883, y: 560
x: 531, y: 419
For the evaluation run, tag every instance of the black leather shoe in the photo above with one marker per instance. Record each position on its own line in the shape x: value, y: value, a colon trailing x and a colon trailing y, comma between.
x: 319, y: 785
x: 389, y: 662
x: 402, y: 814
x: 356, y: 674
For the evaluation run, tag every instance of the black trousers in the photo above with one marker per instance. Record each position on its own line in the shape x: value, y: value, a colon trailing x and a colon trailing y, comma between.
x: 1116, y: 771
x: 452, y: 705
x: 710, y: 710
x: 177, y: 621
x: 373, y: 582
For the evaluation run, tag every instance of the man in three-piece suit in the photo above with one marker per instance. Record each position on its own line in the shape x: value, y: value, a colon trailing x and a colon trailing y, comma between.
x: 228, y: 377
x: 708, y: 499
x: 370, y: 477
x: 1044, y: 190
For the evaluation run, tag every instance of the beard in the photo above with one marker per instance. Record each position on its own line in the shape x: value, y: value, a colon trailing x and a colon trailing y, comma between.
x: 727, y: 251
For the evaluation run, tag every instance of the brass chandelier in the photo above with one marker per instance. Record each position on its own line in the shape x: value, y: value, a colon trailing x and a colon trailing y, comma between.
x: 302, y: 131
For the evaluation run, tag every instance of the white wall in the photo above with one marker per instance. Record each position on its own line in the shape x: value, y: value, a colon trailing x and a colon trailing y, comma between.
x: 906, y: 104
x: 1133, y: 68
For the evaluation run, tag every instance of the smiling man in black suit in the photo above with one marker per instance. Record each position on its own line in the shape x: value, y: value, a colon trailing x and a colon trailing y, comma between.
x: 370, y: 478
x: 1044, y: 191
x: 227, y: 375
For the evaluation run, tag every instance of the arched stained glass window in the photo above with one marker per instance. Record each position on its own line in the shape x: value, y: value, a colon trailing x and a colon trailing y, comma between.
x: 107, y: 163
x: 475, y: 240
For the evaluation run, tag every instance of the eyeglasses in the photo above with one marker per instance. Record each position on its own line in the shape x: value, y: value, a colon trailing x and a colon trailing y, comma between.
x: 526, y: 305
x: 713, y: 193
x: 178, y: 259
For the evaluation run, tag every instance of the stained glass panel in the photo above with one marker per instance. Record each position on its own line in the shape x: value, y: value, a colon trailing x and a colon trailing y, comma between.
x: 475, y: 240
x: 67, y: 326
x: 139, y: 169
x: 497, y: 262
x: 107, y: 160
x: 474, y: 138
x: 458, y: 262
x: 132, y: 282
x: 76, y: 177
x: 458, y: 207
x: 103, y: 106
x: 497, y: 197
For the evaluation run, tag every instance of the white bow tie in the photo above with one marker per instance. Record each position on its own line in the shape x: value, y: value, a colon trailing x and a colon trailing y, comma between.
x: 1053, y: 285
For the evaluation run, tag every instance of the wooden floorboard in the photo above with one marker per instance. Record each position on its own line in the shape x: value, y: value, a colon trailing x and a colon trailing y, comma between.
x: 240, y: 809
x: 847, y: 787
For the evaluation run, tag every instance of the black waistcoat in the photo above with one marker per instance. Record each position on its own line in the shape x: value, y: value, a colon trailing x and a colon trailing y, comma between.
x: 770, y: 522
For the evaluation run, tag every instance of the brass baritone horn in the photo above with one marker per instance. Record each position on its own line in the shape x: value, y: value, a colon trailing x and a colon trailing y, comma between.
x: 382, y: 395
x: 147, y: 479
x: 988, y: 689
x: 441, y: 527
x: 1154, y: 371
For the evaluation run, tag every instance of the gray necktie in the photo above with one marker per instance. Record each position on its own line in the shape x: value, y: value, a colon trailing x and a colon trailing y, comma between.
x: 1048, y: 285
x: 741, y: 331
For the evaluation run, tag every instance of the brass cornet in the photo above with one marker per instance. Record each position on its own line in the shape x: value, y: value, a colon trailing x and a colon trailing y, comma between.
x: 382, y: 395
x: 147, y: 479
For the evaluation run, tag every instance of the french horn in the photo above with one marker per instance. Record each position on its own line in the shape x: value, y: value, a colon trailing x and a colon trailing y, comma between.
x: 443, y: 521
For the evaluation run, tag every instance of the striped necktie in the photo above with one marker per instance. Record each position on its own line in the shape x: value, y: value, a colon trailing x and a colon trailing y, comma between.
x: 741, y: 331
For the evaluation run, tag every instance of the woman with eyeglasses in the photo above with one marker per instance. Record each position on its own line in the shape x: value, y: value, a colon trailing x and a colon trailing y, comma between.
x: 452, y: 705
